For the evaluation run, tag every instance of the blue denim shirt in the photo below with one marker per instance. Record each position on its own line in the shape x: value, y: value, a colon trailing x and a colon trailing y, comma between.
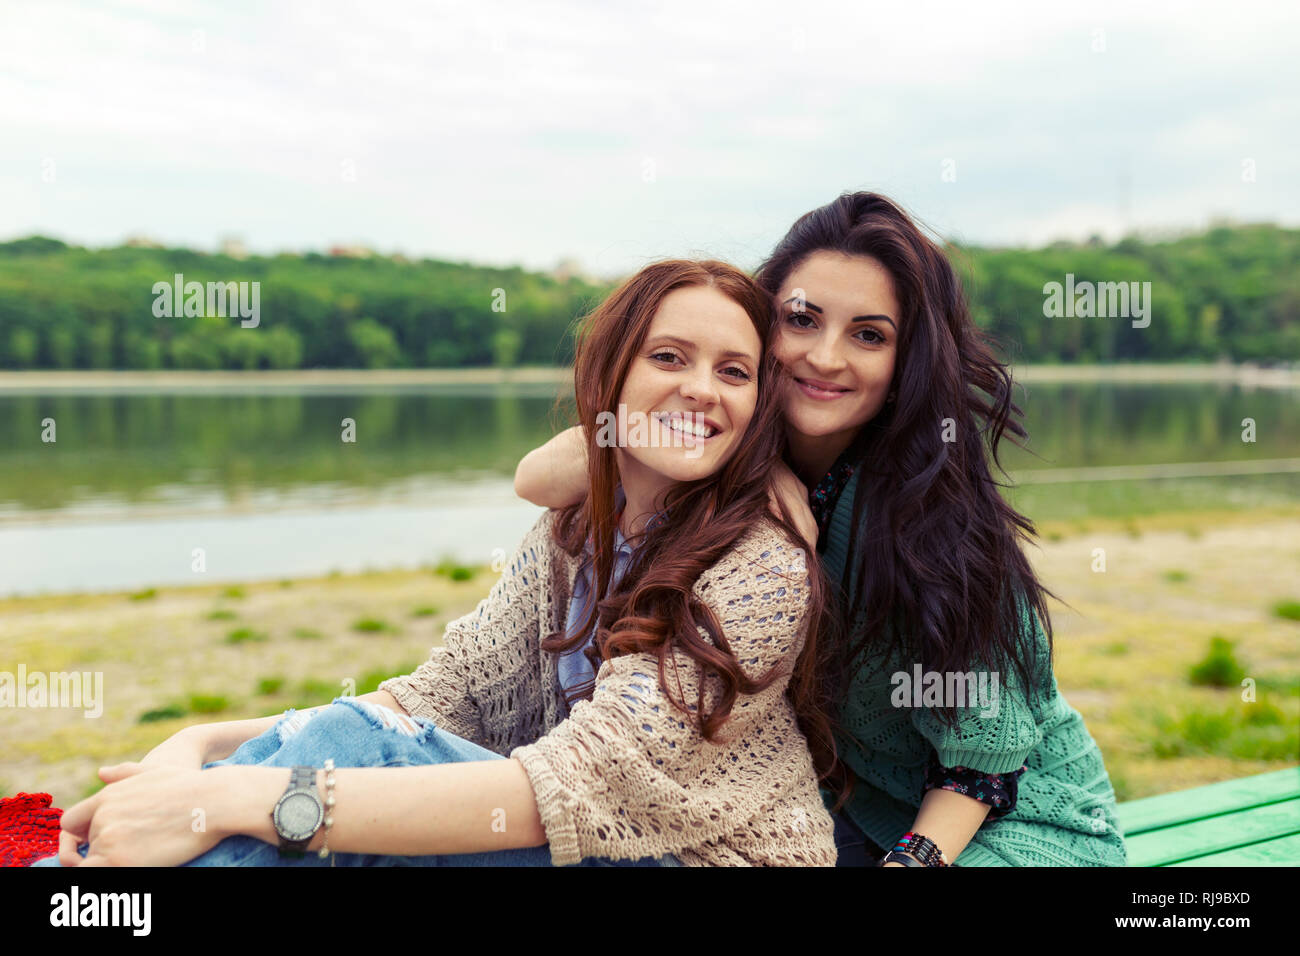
x: 574, y: 668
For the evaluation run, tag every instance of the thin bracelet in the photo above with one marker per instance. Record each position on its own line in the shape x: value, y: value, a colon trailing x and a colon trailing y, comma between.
x: 324, y: 850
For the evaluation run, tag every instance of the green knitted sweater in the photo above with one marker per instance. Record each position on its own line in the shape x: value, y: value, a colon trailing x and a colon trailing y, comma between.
x: 1065, y: 811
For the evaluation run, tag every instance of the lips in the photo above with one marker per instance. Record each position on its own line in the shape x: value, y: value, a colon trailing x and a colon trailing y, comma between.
x: 691, y: 421
x: 821, y: 391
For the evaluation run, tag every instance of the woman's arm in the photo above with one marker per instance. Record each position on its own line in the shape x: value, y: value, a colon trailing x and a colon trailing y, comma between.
x: 407, y: 811
x: 950, y: 820
x: 555, y: 475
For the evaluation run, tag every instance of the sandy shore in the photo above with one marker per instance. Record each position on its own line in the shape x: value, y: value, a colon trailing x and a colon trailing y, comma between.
x: 1125, y: 643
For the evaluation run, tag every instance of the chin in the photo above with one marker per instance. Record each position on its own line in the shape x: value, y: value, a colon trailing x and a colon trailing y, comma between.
x: 681, y: 468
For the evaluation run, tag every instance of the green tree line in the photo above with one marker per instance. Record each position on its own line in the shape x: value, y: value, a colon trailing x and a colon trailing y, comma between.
x: 1230, y: 292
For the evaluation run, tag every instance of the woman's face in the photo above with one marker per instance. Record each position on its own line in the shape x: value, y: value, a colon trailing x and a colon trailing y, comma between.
x: 697, y: 367
x: 838, y: 335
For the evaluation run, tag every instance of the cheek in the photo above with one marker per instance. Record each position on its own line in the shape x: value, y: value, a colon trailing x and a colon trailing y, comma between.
x: 741, y: 413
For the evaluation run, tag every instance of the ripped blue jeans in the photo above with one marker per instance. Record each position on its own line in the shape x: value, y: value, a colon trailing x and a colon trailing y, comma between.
x: 357, y: 733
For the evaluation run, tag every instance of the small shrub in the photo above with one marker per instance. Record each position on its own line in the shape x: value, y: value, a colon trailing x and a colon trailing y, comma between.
x: 270, y: 685
x: 1177, y: 576
x: 234, y: 593
x: 170, y: 712
x: 307, y: 634
x: 208, y: 703
x: 242, y: 634
x: 371, y: 625
x: 427, y: 610
x: 1287, y: 610
x: 1219, y: 667
x: 221, y: 614
x: 147, y: 594
x: 455, y: 572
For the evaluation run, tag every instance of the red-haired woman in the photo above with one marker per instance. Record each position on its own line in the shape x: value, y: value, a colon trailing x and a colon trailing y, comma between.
x: 661, y: 724
x: 894, y: 409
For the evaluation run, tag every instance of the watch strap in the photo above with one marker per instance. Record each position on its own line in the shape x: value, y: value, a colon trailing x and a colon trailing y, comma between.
x: 301, y: 779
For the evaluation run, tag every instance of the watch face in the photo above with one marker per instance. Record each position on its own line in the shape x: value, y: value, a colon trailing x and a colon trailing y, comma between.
x: 297, y: 816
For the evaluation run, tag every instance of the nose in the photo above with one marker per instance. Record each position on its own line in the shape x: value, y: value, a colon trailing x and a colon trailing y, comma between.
x: 824, y: 357
x: 699, y: 386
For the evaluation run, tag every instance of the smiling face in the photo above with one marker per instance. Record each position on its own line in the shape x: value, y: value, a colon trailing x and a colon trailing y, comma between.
x: 696, y: 371
x: 837, y: 322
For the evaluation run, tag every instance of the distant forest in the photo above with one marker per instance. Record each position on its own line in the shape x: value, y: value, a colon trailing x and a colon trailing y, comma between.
x: 1232, y: 292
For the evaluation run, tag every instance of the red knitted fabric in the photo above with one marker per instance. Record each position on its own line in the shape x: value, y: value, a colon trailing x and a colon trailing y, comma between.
x: 29, y: 828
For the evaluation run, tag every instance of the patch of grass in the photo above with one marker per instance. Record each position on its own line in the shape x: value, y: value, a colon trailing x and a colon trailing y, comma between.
x: 1177, y: 576
x: 1287, y: 610
x: 453, y: 571
x: 170, y: 712
x: 208, y: 703
x: 241, y: 635
x: 371, y: 625
x: 307, y: 634
x: 93, y: 788
x: 313, y: 692
x: 370, y: 680
x: 1245, y: 731
x: 270, y: 685
x: 234, y: 592
x: 286, y: 583
x: 148, y: 594
x: 427, y: 610
x: 1193, y: 532
x: 1219, y: 667
x: 1115, y: 649
x: 1131, y: 529
x: 1054, y: 536
x: 221, y: 614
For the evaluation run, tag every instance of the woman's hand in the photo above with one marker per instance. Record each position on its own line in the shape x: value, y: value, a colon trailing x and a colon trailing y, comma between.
x: 786, y: 489
x: 187, y: 748
x: 144, y: 817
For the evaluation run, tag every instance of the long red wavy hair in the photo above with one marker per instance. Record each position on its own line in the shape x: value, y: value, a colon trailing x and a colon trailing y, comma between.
x: 653, y: 610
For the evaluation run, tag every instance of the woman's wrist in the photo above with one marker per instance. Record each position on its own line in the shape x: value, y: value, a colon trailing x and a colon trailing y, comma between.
x: 245, y: 796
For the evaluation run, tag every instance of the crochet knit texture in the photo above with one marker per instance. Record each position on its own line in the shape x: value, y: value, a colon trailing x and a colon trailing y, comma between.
x: 627, y: 775
x: 29, y: 828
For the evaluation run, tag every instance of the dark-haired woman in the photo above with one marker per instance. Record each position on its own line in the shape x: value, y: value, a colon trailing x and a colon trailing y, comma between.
x: 648, y: 683
x: 960, y: 746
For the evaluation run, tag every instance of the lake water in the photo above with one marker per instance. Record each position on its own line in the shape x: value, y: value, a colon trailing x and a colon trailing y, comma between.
x: 264, y: 485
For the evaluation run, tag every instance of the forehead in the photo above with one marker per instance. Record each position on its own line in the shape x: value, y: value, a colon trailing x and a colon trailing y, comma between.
x: 707, y: 318
x: 837, y: 282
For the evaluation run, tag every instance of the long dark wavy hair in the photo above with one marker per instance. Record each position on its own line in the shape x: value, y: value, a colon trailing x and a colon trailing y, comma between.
x: 652, y: 609
x: 936, y: 571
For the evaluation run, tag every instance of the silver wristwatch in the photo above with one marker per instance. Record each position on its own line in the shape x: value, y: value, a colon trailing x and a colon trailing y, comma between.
x: 298, y: 813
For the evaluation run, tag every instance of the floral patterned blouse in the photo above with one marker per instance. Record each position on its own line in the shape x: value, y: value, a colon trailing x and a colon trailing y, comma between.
x: 998, y: 790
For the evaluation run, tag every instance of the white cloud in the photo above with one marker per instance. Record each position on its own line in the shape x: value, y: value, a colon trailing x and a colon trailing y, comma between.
x: 505, y: 132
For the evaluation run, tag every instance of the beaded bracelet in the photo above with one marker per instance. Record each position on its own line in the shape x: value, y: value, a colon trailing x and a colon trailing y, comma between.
x: 921, y: 847
x: 329, y: 808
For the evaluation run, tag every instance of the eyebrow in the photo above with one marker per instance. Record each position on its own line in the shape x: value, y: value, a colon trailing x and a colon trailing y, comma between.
x: 856, y: 318
x: 687, y: 344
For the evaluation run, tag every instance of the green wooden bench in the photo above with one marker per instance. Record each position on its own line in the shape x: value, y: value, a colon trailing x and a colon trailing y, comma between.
x: 1253, y: 821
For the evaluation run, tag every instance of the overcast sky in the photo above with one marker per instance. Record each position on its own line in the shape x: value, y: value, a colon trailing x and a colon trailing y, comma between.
x: 617, y: 133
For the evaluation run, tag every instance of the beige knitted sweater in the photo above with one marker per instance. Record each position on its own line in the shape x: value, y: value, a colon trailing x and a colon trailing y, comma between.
x: 626, y: 775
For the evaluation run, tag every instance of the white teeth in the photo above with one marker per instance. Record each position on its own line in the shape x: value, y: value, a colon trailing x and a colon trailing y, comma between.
x: 681, y: 425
